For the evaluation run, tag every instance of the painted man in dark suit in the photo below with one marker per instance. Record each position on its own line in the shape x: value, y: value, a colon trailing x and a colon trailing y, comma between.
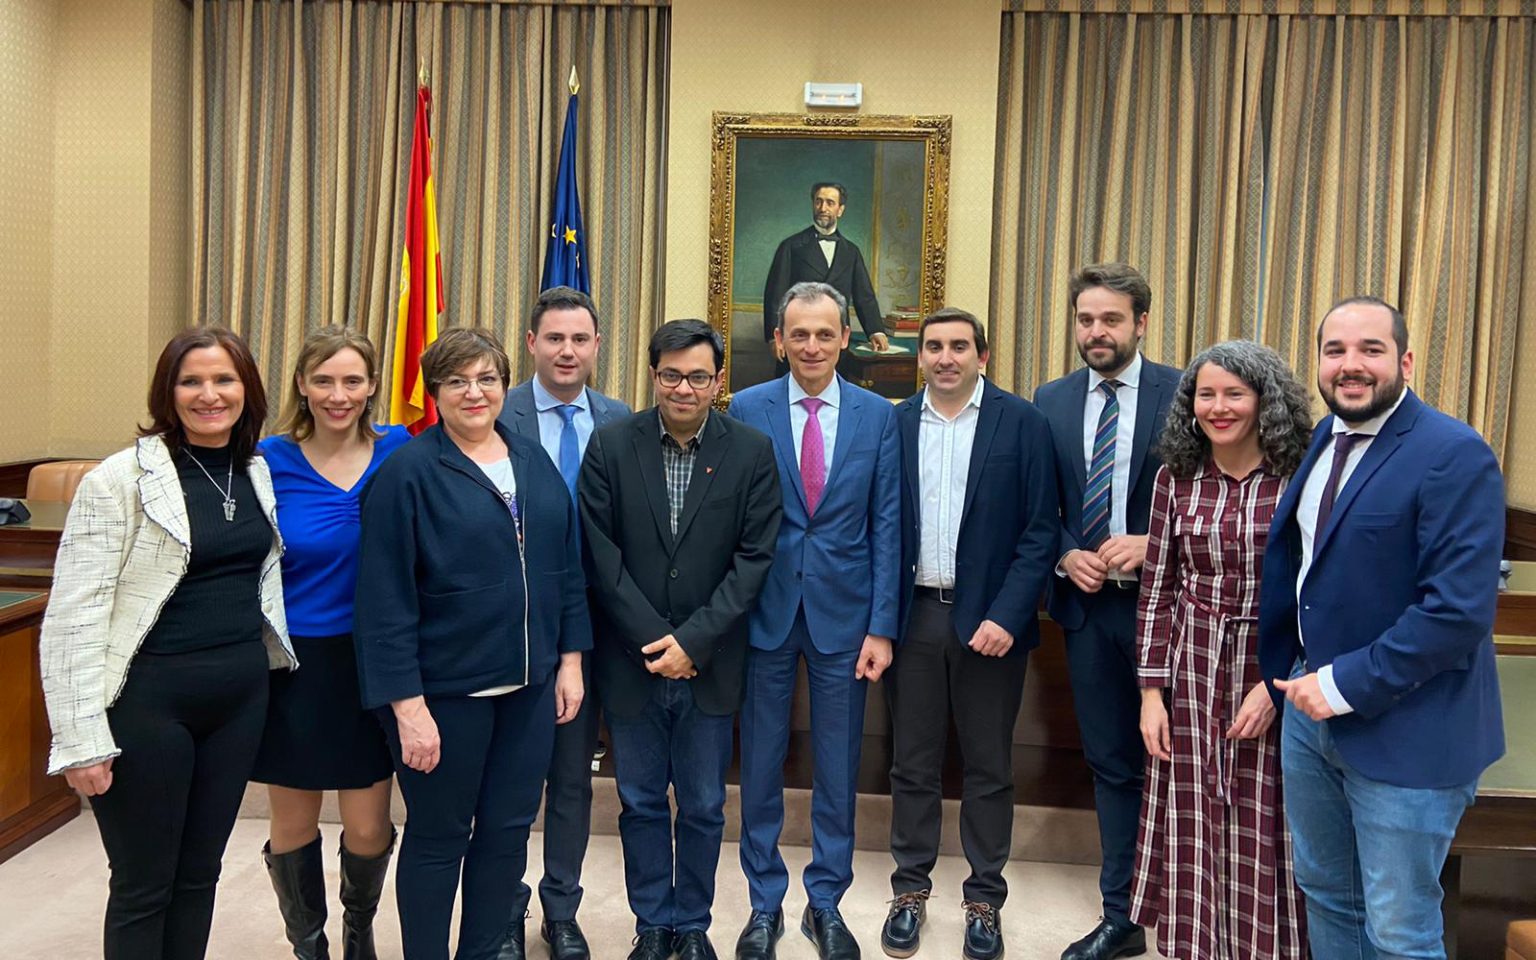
x: 980, y: 527
x: 556, y: 408
x: 821, y: 253
x: 680, y: 510
x: 1104, y: 420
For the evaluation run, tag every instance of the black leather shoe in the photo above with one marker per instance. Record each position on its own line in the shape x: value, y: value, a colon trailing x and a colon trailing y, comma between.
x: 759, y: 938
x: 1110, y: 939
x: 512, y: 944
x: 653, y: 945
x: 565, y: 939
x: 695, y: 945
x: 983, y: 931
x: 904, y: 924
x: 826, y: 929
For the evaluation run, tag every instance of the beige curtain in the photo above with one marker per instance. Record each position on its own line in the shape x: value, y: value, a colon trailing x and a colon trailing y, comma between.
x: 1259, y: 167
x: 302, y: 125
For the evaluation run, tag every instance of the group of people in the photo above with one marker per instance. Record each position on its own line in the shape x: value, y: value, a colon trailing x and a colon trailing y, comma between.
x: 449, y: 609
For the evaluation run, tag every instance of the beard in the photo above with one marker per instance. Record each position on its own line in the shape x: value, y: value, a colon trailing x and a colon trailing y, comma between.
x: 1121, y: 354
x: 1383, y: 396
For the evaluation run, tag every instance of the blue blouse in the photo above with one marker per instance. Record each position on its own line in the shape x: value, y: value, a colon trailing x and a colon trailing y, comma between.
x: 319, y: 524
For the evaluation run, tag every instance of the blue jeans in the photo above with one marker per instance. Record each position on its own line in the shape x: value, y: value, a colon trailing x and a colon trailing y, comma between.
x: 671, y: 742
x: 1368, y: 854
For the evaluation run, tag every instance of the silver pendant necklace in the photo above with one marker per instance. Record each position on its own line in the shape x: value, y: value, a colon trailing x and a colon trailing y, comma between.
x: 227, y: 491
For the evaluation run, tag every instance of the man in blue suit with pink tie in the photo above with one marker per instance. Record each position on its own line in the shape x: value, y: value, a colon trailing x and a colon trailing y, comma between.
x: 1376, y: 625
x: 830, y: 599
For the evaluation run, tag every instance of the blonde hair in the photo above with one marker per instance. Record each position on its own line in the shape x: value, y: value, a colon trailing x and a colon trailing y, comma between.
x: 298, y: 420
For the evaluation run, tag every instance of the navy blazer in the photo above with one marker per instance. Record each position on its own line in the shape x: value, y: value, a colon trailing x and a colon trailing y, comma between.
x: 522, y: 416
x: 438, y: 610
x: 1400, y: 599
x: 1009, y: 524
x: 844, y: 563
x: 1062, y: 402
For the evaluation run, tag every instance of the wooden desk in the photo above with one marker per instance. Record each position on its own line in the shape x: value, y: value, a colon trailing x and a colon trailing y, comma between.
x: 27, y: 550
x: 32, y: 805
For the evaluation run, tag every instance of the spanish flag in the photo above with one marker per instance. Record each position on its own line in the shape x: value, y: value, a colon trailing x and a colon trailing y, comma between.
x: 421, y: 289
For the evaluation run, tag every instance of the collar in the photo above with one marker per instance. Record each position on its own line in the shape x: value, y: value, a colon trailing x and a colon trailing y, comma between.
x: 1129, y: 377
x: 832, y: 395
x: 975, y: 401
x: 828, y: 235
x: 1209, y: 470
x: 693, y: 441
x: 1373, y: 426
x: 544, y: 400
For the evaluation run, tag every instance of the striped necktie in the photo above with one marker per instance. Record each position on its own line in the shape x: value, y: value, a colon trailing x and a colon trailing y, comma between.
x: 1101, y: 469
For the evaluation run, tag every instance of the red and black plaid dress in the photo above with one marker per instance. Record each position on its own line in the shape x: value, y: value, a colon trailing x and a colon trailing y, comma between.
x: 1213, y: 860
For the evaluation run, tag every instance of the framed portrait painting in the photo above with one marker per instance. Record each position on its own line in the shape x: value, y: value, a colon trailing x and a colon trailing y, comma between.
x: 859, y: 202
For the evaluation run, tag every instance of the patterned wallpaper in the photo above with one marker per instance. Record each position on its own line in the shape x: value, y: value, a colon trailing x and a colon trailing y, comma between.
x: 913, y: 57
x: 29, y: 37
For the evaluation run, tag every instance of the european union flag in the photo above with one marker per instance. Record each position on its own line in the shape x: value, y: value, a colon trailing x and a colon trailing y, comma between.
x: 565, y: 263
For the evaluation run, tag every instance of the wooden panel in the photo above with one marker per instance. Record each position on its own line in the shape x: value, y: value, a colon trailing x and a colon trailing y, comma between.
x: 1519, y: 534
x: 32, y: 804
x: 13, y: 477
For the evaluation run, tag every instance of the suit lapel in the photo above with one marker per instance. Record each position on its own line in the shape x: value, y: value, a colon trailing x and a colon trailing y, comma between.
x: 647, y: 441
x: 908, y: 417
x: 711, y: 452
x: 812, y: 259
x: 849, y: 419
x: 1078, y: 396
x: 160, y: 490
x: 986, y: 428
x: 1386, y: 443
x: 1149, y: 397
x: 784, y: 436
x: 1285, y: 510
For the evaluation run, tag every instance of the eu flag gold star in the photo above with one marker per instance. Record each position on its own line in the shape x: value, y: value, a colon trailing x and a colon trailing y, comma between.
x: 570, y: 234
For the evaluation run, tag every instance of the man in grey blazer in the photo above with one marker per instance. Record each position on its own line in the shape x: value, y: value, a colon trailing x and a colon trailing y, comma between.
x: 557, y: 408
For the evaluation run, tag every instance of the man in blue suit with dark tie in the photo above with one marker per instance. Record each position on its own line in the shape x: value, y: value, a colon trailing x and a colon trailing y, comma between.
x: 978, y: 542
x: 830, y: 599
x: 1105, y: 420
x: 557, y: 408
x: 1376, y: 624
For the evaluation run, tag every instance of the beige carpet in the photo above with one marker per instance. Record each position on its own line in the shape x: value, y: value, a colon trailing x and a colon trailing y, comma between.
x: 52, y: 896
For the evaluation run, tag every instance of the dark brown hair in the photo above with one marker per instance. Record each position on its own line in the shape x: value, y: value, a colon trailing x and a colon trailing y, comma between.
x: 320, y: 346
x: 456, y: 349
x: 164, y: 421
x: 1117, y: 277
x: 561, y: 298
x: 955, y: 315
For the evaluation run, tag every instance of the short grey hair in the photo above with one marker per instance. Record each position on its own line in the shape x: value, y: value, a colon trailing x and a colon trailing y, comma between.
x: 1285, y: 418
x: 809, y: 291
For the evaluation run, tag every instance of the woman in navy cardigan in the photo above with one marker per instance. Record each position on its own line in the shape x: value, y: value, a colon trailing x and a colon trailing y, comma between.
x: 470, y: 621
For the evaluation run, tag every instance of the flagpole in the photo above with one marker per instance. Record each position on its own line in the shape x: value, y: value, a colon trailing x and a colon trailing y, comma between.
x: 575, y: 83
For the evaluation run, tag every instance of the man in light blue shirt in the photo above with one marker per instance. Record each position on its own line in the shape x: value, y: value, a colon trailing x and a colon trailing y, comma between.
x: 556, y: 407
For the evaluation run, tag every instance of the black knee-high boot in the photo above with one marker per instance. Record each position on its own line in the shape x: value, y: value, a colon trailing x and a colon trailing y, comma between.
x: 362, y: 881
x: 298, y: 877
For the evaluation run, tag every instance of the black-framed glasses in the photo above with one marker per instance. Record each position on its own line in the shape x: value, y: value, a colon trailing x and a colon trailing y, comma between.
x: 698, y: 379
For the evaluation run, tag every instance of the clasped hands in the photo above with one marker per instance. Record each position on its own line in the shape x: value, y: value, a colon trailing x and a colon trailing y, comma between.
x: 1088, y: 569
x: 1253, y: 719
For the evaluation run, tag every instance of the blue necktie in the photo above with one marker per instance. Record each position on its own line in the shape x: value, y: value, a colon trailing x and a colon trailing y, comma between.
x: 570, y: 453
x: 1101, y: 469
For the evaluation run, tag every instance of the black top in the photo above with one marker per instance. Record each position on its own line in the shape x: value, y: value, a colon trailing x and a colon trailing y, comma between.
x: 218, y: 600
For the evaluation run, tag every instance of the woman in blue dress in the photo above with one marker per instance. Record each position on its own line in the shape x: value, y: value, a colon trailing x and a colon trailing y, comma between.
x: 318, y: 737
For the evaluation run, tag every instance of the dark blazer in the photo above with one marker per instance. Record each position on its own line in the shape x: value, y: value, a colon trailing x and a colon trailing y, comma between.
x: 443, y: 604
x: 799, y: 258
x: 520, y: 414
x: 1062, y: 402
x: 1009, y: 524
x: 700, y: 584
x: 844, y: 563
x: 1399, y: 599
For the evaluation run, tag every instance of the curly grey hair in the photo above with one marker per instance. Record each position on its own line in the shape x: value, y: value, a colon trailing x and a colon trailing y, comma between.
x: 1285, y: 419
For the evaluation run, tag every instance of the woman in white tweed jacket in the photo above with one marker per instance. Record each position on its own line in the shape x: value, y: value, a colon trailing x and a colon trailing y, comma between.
x: 166, y: 614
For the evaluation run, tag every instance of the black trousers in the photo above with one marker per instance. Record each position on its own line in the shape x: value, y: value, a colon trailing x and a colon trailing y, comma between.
x: 471, y: 815
x: 1101, y: 659
x: 933, y: 678
x: 188, y: 725
x: 567, y: 811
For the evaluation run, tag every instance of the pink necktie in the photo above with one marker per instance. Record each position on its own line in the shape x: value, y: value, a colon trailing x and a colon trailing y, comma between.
x: 813, y: 454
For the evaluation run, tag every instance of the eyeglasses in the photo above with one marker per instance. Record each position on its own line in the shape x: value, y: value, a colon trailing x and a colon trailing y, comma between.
x: 698, y: 379
x: 488, y: 383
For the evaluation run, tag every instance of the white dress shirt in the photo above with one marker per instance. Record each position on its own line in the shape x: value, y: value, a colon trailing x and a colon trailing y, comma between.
x: 827, y: 243
x: 798, y: 415
x: 944, y: 465
x: 1125, y: 441
x: 551, y: 423
x: 1306, y: 519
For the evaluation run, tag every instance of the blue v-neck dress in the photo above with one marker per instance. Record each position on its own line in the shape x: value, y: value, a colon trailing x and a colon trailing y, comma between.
x: 318, y: 737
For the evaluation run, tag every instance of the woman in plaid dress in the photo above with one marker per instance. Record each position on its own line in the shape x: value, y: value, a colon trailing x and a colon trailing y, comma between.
x: 1213, y: 860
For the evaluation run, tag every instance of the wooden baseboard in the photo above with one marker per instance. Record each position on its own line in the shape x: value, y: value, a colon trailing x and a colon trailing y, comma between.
x: 36, y: 822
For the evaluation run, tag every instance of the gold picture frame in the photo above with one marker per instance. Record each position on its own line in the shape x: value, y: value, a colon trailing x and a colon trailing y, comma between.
x: 898, y: 204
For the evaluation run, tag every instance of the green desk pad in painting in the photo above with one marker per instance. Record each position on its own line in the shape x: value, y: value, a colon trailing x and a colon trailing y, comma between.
x: 9, y: 598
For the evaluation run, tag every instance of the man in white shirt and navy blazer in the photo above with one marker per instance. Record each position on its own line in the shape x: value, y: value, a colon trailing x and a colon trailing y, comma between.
x: 557, y: 408
x: 1376, y: 624
x: 1105, y: 420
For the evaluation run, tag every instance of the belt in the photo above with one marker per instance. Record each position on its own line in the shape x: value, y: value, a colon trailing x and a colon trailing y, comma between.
x: 938, y: 594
